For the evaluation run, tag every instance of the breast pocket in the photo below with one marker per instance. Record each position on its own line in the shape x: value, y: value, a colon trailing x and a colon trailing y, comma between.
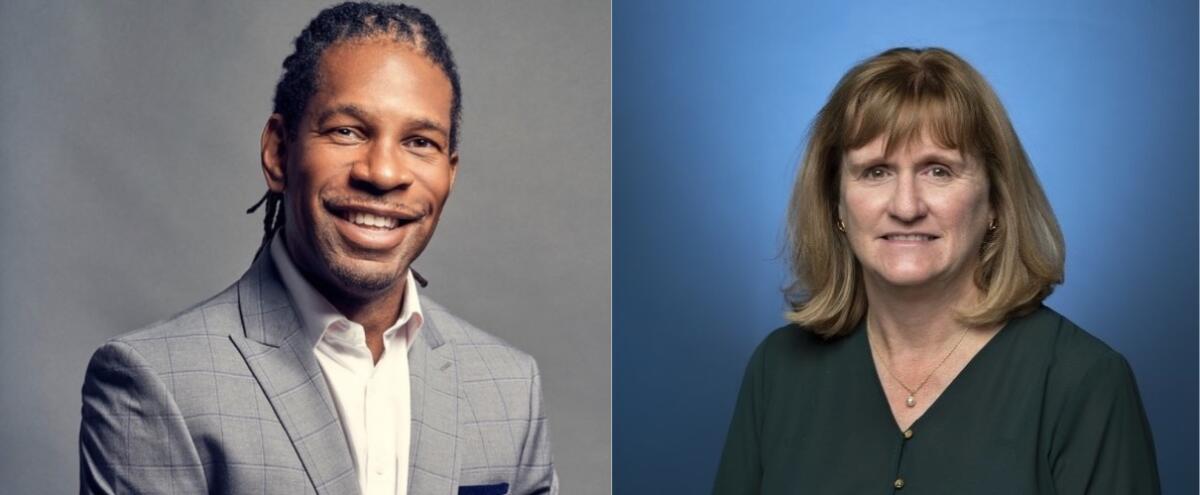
x: 496, y: 489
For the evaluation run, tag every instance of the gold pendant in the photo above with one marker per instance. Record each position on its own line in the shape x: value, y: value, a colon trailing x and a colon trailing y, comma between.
x: 910, y: 401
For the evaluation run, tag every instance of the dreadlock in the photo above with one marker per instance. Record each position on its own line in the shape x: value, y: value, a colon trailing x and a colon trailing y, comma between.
x: 349, y: 21
x: 273, y: 221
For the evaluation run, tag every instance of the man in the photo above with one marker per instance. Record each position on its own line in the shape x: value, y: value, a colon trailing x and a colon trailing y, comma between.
x: 323, y: 369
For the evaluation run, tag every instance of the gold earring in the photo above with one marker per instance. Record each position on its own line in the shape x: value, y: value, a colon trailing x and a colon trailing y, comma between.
x: 992, y: 227
x: 841, y: 226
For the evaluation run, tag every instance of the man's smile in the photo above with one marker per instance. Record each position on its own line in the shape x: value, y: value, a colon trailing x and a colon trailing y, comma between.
x: 372, y: 226
x: 373, y: 221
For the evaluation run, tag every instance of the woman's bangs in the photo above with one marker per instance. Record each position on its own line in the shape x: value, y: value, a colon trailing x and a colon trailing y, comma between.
x: 904, y: 118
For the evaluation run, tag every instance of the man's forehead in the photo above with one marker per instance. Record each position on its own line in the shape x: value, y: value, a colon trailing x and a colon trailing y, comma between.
x: 355, y: 59
x: 359, y: 44
x: 370, y: 76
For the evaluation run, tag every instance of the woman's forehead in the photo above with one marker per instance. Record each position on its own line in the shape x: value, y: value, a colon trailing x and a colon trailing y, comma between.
x: 918, y: 148
x: 900, y: 121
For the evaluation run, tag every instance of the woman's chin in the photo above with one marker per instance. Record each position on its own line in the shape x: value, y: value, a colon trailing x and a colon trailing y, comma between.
x: 909, y: 282
x: 909, y: 279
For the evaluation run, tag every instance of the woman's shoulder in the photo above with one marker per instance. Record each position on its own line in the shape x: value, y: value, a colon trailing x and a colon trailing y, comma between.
x: 1070, y: 353
x: 793, y: 338
x: 793, y: 345
x: 1092, y: 411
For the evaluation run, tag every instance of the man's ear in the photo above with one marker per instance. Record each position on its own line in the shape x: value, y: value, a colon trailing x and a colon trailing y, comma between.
x: 453, y: 168
x: 274, y: 153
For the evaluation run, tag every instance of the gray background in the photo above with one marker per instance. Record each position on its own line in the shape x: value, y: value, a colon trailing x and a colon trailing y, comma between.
x: 128, y: 145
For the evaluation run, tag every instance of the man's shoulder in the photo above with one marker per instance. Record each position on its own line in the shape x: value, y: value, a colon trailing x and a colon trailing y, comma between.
x: 470, y: 341
x: 184, y: 350
x: 215, y: 317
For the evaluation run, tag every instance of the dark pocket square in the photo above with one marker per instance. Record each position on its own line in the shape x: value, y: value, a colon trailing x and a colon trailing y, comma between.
x: 497, y: 489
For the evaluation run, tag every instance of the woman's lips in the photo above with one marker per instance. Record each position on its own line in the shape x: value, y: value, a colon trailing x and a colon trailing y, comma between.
x: 909, y: 237
x: 908, y: 240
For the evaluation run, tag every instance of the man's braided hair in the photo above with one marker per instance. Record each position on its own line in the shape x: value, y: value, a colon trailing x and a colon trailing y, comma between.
x: 350, y: 21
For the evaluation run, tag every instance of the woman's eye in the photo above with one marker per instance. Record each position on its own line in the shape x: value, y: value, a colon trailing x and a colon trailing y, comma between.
x: 940, y: 172
x: 875, y: 173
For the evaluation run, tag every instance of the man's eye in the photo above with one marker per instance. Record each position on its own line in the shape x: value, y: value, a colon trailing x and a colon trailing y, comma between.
x: 345, y: 134
x: 420, y: 142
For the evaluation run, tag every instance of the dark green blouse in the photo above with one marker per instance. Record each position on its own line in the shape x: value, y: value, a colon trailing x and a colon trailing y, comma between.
x: 1043, y: 408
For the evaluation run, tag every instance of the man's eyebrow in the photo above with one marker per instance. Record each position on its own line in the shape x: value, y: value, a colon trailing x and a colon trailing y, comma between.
x: 348, y: 109
x: 428, y: 125
x: 419, y: 124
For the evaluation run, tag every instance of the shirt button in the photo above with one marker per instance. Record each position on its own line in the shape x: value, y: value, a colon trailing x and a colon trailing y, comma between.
x: 899, y: 483
x: 908, y: 434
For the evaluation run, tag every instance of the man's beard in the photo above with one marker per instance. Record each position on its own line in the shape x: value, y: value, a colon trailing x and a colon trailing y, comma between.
x: 359, y: 280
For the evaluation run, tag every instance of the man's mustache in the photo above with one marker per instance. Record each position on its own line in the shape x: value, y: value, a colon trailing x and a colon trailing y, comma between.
x: 403, y: 211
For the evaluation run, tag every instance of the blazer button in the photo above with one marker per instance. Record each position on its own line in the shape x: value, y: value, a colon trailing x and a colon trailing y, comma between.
x: 908, y: 434
x: 899, y: 483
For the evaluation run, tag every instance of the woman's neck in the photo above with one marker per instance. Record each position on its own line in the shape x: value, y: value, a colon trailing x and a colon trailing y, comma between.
x: 912, y: 320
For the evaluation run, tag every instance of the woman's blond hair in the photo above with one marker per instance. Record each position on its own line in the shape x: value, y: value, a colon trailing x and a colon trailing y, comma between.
x: 902, y: 94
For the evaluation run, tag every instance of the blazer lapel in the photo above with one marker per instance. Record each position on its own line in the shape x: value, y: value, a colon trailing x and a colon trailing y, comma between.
x: 281, y: 359
x: 434, y: 460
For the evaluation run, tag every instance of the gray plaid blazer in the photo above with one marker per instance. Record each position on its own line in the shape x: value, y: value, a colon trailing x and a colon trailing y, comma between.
x: 227, y: 397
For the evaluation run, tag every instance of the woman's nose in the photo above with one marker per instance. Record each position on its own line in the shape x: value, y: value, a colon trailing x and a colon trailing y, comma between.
x: 908, y: 204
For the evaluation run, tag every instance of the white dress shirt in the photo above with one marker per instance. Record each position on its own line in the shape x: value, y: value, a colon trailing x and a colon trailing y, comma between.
x: 373, y: 399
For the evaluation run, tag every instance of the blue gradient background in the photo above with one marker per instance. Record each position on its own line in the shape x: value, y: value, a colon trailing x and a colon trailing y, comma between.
x: 711, y: 106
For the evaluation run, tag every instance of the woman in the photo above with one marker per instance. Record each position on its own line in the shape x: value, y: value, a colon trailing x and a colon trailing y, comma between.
x: 920, y: 358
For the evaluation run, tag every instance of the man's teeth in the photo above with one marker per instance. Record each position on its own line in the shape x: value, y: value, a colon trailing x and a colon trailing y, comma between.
x: 910, y: 237
x: 369, y: 220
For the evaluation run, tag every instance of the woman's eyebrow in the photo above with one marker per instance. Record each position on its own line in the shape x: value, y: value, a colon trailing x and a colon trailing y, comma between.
x: 946, y: 158
x: 863, y: 161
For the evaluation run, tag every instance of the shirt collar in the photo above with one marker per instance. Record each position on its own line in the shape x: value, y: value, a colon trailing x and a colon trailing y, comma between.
x: 316, y: 313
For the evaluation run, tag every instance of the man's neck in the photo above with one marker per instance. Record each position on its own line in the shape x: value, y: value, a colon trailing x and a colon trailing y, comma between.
x: 375, y: 314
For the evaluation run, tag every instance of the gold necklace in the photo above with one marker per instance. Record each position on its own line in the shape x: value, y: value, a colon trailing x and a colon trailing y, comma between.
x: 911, y: 401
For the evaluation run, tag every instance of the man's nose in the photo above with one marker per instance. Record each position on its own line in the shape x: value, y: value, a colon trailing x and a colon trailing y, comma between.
x: 908, y: 203
x: 386, y: 167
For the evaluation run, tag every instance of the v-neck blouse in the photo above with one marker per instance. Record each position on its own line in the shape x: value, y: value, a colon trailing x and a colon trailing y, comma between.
x: 1042, y: 408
